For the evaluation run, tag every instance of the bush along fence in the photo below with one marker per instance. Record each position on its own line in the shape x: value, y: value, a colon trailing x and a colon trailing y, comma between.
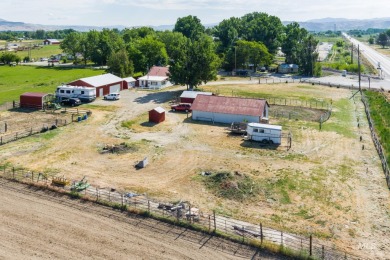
x: 184, y: 214
x: 376, y: 140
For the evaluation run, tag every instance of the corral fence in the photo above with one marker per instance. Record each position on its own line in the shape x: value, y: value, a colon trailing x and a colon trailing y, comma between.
x: 71, y: 115
x: 376, y: 141
x: 184, y: 212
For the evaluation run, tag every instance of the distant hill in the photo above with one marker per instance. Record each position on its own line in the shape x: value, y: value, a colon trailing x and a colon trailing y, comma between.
x: 323, y: 24
x: 342, y: 24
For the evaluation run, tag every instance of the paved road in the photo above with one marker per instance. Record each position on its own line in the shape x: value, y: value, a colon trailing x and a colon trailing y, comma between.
x: 373, y: 56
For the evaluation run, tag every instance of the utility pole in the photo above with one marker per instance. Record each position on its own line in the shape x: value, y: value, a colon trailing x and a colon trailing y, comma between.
x: 360, y: 75
x: 352, y: 53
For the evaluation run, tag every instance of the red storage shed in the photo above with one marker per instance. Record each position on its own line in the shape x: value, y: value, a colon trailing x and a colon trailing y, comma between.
x: 157, y: 115
x: 33, y: 100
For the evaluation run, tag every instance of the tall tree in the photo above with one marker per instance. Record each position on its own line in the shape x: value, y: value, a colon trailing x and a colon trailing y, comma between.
x: 190, y: 26
x: 197, y: 63
x: 71, y: 44
x: 308, y: 56
x: 263, y: 28
x: 293, y: 42
x: 383, y: 39
x: 227, y: 32
x: 147, y: 52
x: 119, y: 64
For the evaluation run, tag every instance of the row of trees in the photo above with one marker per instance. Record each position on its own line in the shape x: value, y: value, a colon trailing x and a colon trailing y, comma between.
x: 38, y: 34
x: 193, y: 52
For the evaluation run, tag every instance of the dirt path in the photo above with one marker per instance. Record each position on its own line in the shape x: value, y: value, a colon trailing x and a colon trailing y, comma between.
x: 42, y: 225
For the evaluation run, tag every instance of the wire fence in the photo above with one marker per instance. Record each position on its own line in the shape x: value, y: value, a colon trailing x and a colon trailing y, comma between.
x: 184, y: 212
x: 376, y: 141
x: 9, y: 133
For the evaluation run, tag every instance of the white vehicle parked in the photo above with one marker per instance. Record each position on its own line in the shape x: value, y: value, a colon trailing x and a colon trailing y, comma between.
x: 112, y: 96
x: 85, y: 94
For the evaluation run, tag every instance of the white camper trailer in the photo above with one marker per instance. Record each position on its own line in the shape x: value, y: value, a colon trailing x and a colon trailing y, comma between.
x: 85, y: 94
x: 269, y: 134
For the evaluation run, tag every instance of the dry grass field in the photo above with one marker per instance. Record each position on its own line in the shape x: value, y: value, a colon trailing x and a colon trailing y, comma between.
x: 327, y: 184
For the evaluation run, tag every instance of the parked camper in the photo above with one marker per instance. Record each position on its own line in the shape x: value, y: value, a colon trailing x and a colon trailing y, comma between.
x: 268, y: 134
x: 85, y: 94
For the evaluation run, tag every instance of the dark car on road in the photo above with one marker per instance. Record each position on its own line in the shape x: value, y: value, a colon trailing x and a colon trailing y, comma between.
x: 70, y: 102
x: 181, y: 107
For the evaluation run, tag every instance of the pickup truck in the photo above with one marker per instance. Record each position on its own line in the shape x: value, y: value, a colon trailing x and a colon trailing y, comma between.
x: 181, y: 107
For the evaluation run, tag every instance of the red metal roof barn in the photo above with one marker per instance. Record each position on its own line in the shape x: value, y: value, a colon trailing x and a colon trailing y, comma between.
x: 157, y: 115
x: 104, y: 84
x: 34, y: 100
x: 229, y: 109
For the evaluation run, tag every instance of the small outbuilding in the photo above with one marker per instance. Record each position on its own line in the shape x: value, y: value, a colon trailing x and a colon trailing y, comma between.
x: 34, y: 100
x: 104, y: 84
x: 51, y: 42
x: 130, y: 82
x: 157, y: 115
x: 227, y: 110
x: 189, y: 96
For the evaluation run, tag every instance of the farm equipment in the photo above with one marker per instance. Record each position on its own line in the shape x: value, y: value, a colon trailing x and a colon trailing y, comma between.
x: 60, y: 181
x: 80, y: 185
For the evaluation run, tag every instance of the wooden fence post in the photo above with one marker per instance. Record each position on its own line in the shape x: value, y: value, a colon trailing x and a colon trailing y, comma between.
x: 311, y: 245
x: 13, y: 172
x: 215, y: 221
x: 323, y: 252
x: 261, y: 233
x: 122, y: 199
x: 32, y: 176
x: 209, y: 223
x: 281, y: 238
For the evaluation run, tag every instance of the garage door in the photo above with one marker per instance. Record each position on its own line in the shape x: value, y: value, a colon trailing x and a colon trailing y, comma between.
x: 115, y: 88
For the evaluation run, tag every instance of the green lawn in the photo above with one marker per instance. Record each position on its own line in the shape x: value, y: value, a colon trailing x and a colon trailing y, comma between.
x: 17, y: 80
x: 41, y: 52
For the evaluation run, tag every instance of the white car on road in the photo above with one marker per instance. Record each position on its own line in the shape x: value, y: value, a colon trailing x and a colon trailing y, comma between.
x: 112, y: 96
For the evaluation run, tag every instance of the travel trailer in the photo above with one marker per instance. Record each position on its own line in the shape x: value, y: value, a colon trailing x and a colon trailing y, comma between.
x: 269, y: 134
x: 85, y: 94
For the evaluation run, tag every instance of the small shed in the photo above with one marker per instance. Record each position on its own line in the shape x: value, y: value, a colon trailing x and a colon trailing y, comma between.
x: 157, y: 115
x: 130, y: 82
x: 189, y: 96
x: 34, y: 100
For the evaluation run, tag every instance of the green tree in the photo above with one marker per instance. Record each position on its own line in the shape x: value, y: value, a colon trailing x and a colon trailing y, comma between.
x: 292, y: 42
x: 197, y: 63
x: 91, y: 45
x: 146, y: 52
x: 227, y: 33
x: 261, y: 27
x: 71, y: 44
x: 8, y: 57
x: 190, y: 26
x: 382, y: 40
x: 129, y: 35
x: 371, y: 40
x: 119, y: 64
x: 252, y: 53
x: 308, y: 56
x: 173, y: 41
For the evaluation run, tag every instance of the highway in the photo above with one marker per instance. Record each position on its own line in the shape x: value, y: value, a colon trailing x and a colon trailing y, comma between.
x: 373, y: 56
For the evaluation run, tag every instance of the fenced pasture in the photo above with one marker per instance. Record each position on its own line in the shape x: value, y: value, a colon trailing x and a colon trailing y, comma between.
x: 19, y: 123
x: 183, y: 213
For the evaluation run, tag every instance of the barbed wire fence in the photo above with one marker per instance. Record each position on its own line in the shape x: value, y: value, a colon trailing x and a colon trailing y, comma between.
x: 376, y: 140
x: 183, y: 213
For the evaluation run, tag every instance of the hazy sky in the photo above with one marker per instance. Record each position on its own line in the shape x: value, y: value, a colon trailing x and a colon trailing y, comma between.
x: 163, y: 12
